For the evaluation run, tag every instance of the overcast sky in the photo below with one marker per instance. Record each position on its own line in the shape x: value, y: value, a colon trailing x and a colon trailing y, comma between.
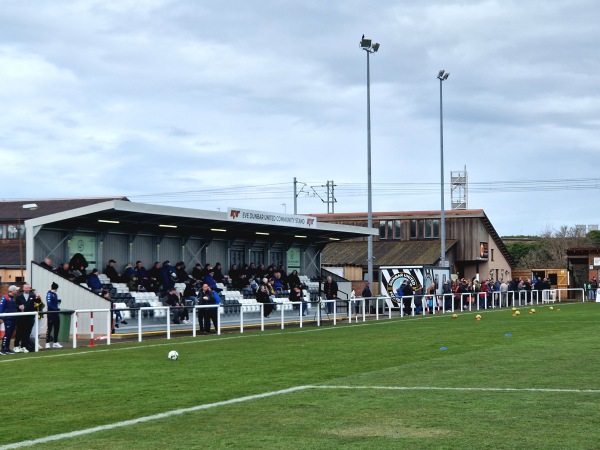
x: 196, y: 103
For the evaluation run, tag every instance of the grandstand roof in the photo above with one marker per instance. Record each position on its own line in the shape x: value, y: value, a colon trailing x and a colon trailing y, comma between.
x: 129, y: 217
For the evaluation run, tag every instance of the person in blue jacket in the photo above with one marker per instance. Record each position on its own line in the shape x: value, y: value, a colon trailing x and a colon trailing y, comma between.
x: 8, y: 305
x: 210, y: 280
x: 52, y: 302
x: 94, y: 282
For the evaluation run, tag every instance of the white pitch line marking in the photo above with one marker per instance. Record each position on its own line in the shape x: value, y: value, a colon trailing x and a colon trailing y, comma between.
x: 176, y: 412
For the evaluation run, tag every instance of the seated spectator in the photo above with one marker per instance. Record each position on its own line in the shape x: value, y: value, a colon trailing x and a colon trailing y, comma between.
x: 180, y: 312
x: 262, y: 296
x: 65, y: 272
x: 118, y: 317
x: 270, y: 288
x: 111, y: 272
x: 47, y: 264
x: 296, y: 295
x: 218, y: 276
x: 210, y: 280
x: 180, y: 273
x: 133, y: 284
x: 78, y: 265
x: 277, y: 284
x: 94, y: 282
x: 293, y: 279
x: 250, y: 271
x: 128, y: 273
x: 197, y: 273
x: 234, y: 275
x: 141, y: 274
x: 155, y: 278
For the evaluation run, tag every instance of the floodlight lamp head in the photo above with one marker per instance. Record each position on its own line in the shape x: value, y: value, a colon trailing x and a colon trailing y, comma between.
x: 365, y: 43
x: 375, y: 47
x: 446, y: 75
x: 441, y: 74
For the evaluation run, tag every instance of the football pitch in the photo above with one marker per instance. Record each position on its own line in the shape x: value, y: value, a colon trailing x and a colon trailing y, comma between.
x: 527, y: 381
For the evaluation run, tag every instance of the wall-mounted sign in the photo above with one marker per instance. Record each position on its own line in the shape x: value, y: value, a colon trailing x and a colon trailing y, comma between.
x: 596, y: 261
x: 86, y: 245
x: 270, y: 218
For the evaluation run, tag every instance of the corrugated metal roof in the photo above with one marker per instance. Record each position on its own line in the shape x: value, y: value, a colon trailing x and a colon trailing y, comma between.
x: 385, y: 253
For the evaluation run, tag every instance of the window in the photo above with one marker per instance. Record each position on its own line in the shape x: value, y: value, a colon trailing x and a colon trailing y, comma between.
x: 382, y: 229
x: 492, y: 255
x: 397, y: 234
x: 389, y: 229
x: 414, y: 229
x: 2, y: 231
x: 12, y: 232
x: 432, y: 228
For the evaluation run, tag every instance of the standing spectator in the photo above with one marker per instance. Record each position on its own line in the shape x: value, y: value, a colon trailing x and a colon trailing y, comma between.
x: 8, y: 304
x: 447, y: 299
x: 38, y: 305
x: 366, y: 294
x: 527, y: 289
x: 207, y: 297
x: 593, y: 288
x: 330, y: 288
x: 94, y: 282
x: 504, y: 292
x: 167, y: 276
x: 53, y: 327
x: 111, y: 272
x: 25, y: 301
x: 407, y: 297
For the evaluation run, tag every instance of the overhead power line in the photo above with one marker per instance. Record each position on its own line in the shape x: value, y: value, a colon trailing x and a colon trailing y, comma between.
x: 345, y: 190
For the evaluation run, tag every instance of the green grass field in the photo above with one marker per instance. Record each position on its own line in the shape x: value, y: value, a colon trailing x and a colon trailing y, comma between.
x: 531, y: 381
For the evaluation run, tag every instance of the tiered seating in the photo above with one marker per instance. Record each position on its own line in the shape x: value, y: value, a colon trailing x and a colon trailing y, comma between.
x: 103, y: 278
x: 313, y: 286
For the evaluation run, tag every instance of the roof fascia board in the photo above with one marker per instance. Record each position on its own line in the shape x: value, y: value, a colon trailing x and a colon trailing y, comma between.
x: 63, y: 215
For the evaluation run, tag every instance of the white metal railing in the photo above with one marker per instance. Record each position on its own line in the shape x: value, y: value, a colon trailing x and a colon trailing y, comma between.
x: 434, y: 304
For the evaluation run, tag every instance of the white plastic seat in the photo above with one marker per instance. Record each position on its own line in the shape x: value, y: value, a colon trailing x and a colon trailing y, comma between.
x: 125, y: 314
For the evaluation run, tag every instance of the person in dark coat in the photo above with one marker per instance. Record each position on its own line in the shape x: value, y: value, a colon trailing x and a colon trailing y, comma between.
x: 25, y: 303
x: 111, y: 272
x: 262, y: 296
x: 296, y: 295
x: 330, y: 288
